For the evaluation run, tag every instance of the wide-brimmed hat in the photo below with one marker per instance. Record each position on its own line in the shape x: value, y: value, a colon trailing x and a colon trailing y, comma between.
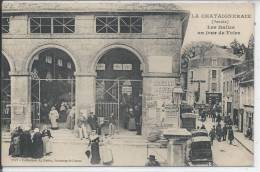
x: 151, y: 157
x: 94, y: 138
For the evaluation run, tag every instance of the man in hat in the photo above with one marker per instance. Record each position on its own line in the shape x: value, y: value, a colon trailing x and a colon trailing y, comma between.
x: 152, y: 162
x: 81, y: 126
x: 92, y: 121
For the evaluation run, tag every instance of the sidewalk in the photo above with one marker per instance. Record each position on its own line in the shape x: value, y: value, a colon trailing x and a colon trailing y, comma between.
x: 245, y: 142
x: 239, y: 137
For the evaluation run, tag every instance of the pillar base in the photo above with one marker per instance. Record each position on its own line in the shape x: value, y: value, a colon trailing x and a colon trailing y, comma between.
x: 178, y: 138
x: 24, y: 125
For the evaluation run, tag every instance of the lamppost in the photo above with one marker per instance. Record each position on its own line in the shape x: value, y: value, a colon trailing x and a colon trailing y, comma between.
x: 176, y: 98
x: 197, y: 93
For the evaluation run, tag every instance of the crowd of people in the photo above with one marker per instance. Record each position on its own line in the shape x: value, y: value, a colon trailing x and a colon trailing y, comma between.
x: 219, y: 132
x: 65, y: 113
x: 30, y: 143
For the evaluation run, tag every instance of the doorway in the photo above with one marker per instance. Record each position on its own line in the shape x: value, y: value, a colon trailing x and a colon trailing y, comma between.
x: 119, y: 89
x: 52, y: 85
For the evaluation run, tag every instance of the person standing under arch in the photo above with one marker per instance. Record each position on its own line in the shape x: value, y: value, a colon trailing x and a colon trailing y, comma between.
x: 54, y: 116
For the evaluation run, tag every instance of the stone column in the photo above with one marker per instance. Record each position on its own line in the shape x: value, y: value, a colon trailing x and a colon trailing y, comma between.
x: 85, y: 92
x: 20, y: 100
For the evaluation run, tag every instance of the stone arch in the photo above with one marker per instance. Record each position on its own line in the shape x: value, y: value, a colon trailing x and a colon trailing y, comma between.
x: 107, y: 48
x: 10, y: 61
x: 41, y: 48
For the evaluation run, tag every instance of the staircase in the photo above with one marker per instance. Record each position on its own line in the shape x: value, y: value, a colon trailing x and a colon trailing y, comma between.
x: 67, y: 136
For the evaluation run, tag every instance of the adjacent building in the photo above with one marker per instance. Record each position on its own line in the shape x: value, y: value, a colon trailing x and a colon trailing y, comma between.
x: 238, y: 93
x: 230, y: 92
x: 205, y: 76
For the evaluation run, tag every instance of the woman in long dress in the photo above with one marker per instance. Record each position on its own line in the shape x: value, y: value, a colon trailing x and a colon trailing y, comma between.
x: 53, y: 116
x: 95, y: 154
x: 37, y: 145
x: 131, y: 123
x: 71, y: 118
x: 14, y: 149
x: 26, y: 143
x: 47, y: 141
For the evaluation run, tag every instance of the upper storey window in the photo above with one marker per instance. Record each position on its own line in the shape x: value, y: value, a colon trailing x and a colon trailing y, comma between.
x: 5, y: 25
x: 130, y: 25
x: 40, y: 25
x: 127, y: 24
x: 63, y: 25
x: 52, y: 25
x: 106, y: 24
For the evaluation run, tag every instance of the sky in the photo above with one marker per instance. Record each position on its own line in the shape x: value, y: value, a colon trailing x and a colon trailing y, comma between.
x: 198, y: 23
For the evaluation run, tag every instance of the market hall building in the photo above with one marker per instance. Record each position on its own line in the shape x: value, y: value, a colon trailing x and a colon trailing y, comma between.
x: 98, y: 57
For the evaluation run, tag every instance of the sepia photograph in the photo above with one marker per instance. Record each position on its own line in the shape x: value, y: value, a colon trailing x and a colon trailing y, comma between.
x: 127, y: 84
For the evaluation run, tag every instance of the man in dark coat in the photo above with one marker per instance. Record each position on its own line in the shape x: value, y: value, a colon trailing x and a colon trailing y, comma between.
x: 214, y: 116
x: 224, y: 132
x: 137, y: 112
x: 219, y: 132
x: 26, y: 143
x: 92, y: 121
x: 37, y: 145
x: 218, y: 120
x: 212, y: 134
x: 95, y: 155
x: 152, y: 162
x: 230, y: 135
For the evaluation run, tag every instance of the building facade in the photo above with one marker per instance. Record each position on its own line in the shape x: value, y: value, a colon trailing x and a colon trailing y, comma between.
x: 247, y: 104
x: 230, y: 91
x: 238, y: 93
x: 205, y: 76
x: 82, y: 38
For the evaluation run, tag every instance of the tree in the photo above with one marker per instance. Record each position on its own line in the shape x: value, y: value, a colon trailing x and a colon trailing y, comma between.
x: 250, y: 48
x: 238, y: 49
x: 196, y: 49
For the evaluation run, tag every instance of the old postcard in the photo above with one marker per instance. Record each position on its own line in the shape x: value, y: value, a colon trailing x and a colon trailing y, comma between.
x: 95, y: 83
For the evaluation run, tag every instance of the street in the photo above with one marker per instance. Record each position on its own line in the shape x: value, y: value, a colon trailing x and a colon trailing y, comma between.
x: 73, y: 154
x: 225, y: 154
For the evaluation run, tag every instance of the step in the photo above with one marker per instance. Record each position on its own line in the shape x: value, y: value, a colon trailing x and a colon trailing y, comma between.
x: 70, y: 138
